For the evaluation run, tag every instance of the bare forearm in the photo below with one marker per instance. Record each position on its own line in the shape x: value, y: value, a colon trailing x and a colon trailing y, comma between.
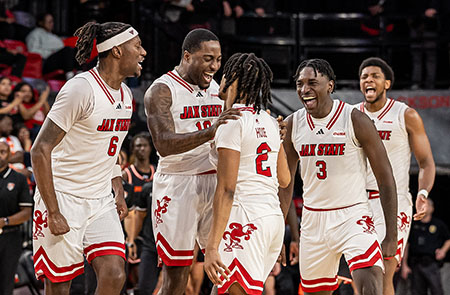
x: 138, y: 217
x: 388, y: 197
x: 17, y: 157
x: 446, y: 246
x: 427, y: 174
x: 292, y: 220
x: 42, y: 168
x: 223, y: 201
x: 285, y: 196
x: 20, y: 217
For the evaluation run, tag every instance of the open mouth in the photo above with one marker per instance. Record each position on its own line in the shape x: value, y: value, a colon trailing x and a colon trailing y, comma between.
x: 140, y: 64
x: 208, y: 77
x: 370, y: 90
x: 309, y: 101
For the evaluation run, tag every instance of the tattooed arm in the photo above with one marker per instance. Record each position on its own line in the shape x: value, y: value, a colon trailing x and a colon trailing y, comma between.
x: 158, y: 100
x: 49, y: 136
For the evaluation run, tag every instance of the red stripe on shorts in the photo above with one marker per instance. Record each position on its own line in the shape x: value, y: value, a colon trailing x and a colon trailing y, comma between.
x: 365, y: 260
x: 317, y: 285
x: 172, y: 257
x: 240, y: 275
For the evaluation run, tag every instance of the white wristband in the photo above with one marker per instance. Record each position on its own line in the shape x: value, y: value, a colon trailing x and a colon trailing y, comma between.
x: 424, y: 193
x: 117, y: 171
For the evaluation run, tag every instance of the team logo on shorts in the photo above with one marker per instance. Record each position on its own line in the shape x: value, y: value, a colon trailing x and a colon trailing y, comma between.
x: 161, y: 209
x: 367, y: 224
x: 403, y: 222
x: 236, y: 233
x: 40, y: 222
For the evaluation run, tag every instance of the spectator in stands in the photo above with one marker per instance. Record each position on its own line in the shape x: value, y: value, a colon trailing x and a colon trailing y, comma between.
x: 15, y: 209
x: 32, y: 109
x: 41, y: 40
x: 9, y: 28
x: 23, y: 134
x: 259, y: 7
x: 232, y: 8
x: 7, y: 106
x: 428, y: 244
x: 423, y: 27
x: 12, y: 58
x: 16, y: 150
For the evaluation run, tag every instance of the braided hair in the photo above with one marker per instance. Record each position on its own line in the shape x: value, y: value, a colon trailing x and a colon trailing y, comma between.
x: 91, y: 31
x: 254, y: 77
x: 319, y: 66
x: 378, y: 62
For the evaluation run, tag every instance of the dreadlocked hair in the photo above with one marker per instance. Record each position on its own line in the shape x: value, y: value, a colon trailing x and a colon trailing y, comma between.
x: 319, y: 66
x: 91, y: 31
x: 254, y: 77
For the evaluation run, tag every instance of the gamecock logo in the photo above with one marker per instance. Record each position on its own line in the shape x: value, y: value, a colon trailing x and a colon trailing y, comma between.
x: 40, y: 222
x: 237, y: 231
x: 403, y: 221
x: 161, y: 209
x: 367, y: 224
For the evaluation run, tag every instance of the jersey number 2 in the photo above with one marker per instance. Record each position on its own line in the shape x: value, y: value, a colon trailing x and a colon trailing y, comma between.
x: 262, y: 151
x: 322, y: 174
x: 113, y: 146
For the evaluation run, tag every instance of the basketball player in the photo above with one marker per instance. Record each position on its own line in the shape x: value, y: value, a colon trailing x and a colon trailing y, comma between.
x: 331, y: 140
x: 401, y: 130
x: 248, y: 225
x: 183, y: 112
x: 74, y: 160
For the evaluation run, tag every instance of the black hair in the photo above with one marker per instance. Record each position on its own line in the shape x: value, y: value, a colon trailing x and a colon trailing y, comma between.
x: 17, y: 89
x: 378, y: 62
x: 193, y: 40
x: 319, y: 66
x: 4, y: 78
x: 254, y: 77
x: 91, y: 31
x: 41, y: 17
x: 143, y: 135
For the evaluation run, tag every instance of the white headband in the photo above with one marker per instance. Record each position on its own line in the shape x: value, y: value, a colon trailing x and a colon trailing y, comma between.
x: 118, y: 39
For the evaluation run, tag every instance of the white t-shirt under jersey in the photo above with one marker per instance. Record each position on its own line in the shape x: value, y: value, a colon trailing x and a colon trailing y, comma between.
x: 192, y: 109
x: 332, y: 163
x: 390, y: 123
x: 96, y: 119
x: 257, y: 138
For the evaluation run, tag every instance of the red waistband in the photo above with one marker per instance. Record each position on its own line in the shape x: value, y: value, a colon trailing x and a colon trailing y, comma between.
x: 373, y: 194
x: 331, y: 209
x: 208, y: 172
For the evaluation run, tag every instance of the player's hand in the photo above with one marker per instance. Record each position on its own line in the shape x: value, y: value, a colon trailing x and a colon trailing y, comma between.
x: 293, y: 252
x: 215, y: 268
x: 132, y: 251
x: 440, y: 254
x: 230, y: 114
x: 421, y: 207
x: 121, y: 207
x: 275, y: 270
x: 389, y: 247
x: 282, y: 257
x: 57, y: 224
x: 405, y: 271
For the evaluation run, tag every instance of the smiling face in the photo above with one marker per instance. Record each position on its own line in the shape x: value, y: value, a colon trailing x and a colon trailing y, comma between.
x: 5, y: 88
x: 203, y: 63
x: 26, y: 93
x: 133, y: 55
x: 373, y: 84
x: 313, y: 89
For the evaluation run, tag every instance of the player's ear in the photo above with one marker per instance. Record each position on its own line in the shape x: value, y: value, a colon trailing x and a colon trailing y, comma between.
x: 187, y: 56
x: 330, y: 86
x: 116, y: 51
x: 387, y: 84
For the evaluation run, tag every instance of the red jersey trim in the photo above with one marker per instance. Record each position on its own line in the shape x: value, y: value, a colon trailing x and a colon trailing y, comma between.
x: 373, y: 194
x: 102, y: 249
x: 336, y: 115
x: 247, y: 109
x: 317, y: 285
x: 361, y: 107
x: 180, y: 81
x: 386, y: 110
x: 310, y: 121
x: 369, y: 258
x: 44, y: 267
x: 240, y: 275
x: 171, y: 257
x: 103, y: 86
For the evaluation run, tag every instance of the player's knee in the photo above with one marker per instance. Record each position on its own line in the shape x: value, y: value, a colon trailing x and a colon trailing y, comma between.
x: 113, y: 275
x: 368, y: 276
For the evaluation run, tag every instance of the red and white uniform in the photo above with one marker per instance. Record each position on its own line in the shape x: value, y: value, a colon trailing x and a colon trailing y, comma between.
x: 96, y: 119
x: 254, y: 233
x: 390, y: 123
x: 336, y: 218
x: 184, y: 184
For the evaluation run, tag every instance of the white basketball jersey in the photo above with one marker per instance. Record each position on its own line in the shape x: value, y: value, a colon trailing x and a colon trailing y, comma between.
x: 257, y: 138
x: 83, y: 161
x: 192, y: 109
x: 332, y: 163
x: 390, y: 123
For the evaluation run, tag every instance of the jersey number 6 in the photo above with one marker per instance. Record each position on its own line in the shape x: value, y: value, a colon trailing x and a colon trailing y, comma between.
x: 113, y: 146
x: 262, y: 151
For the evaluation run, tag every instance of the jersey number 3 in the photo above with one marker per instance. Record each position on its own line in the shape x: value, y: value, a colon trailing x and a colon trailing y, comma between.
x: 322, y: 165
x: 262, y: 151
